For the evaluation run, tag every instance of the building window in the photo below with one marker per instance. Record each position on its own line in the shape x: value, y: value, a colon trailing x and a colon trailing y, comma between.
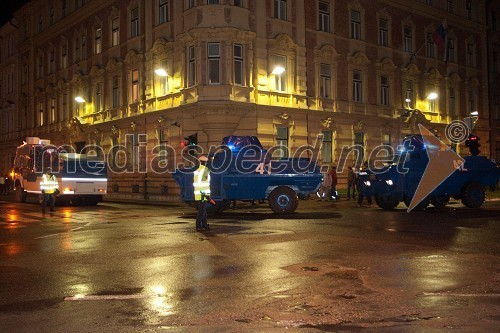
x: 386, y: 140
x: 98, y: 97
x: 449, y: 6
x: 429, y: 2
x: 324, y: 16
x: 191, y: 3
x: 408, y: 39
x: 468, y: 9
x: 452, y: 102
x: 355, y: 24
x: 39, y: 68
x: 495, y: 62
x: 52, y: 110
x: 134, y: 22
x: 98, y: 41
x: 359, y: 147
x: 52, y: 64
x: 213, y: 63
x: 238, y: 3
x: 64, y: 56
x: 432, y: 105
x: 77, y: 50
x: 280, y: 9
x: 384, y: 90
x: 357, y: 87
x: 63, y: 8
x: 431, y: 47
x: 383, y: 32
x: 325, y: 80
x: 470, y: 55
x: 135, y: 85
x: 116, y: 92
x: 51, y: 16
x: 326, y: 148
x: 163, y: 79
x: 451, y: 51
x: 41, y: 116
x: 409, y: 95
x: 115, y: 32
x: 191, y: 67
x: 282, y: 141
x: 213, y: 2
x: 280, y: 78
x: 163, y: 11
x: 238, y: 65
x: 83, y: 50
x: 25, y: 74
x: 472, y: 103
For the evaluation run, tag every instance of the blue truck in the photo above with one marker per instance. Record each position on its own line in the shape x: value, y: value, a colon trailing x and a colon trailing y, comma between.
x: 399, y: 181
x: 241, y: 169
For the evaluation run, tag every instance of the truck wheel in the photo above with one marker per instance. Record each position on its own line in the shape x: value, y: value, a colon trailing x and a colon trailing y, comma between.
x: 283, y: 200
x: 219, y: 207
x: 20, y: 194
x: 441, y: 201
x: 473, y: 195
x: 386, y: 201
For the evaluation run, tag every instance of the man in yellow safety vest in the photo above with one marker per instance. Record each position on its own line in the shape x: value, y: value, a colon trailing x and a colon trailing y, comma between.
x: 201, y: 184
x: 49, y: 187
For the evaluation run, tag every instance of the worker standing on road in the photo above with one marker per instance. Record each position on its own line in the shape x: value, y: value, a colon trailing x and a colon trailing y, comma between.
x: 351, y: 184
x: 333, y: 187
x: 360, y: 192
x: 49, y: 187
x: 201, y: 184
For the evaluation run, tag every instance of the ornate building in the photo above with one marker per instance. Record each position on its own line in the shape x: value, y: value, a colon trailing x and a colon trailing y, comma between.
x: 136, y: 77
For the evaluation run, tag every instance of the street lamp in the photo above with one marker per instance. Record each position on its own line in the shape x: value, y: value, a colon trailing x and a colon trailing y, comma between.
x: 278, y: 70
x: 432, y: 96
x: 161, y: 72
x: 80, y: 99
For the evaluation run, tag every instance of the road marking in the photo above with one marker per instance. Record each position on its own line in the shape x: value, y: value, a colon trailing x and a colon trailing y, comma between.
x: 106, y: 297
x: 461, y: 295
x: 60, y: 233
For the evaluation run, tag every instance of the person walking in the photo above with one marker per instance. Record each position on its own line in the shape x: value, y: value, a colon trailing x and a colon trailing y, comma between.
x: 49, y: 187
x: 201, y: 184
x: 351, y: 184
x: 324, y: 189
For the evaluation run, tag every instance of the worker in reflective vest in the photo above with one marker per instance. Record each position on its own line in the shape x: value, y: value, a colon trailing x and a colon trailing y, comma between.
x: 49, y: 187
x: 201, y: 184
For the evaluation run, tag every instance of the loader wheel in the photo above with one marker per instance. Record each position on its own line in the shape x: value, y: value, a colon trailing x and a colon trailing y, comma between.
x: 473, y: 195
x: 20, y: 194
x: 441, y: 201
x: 283, y: 200
x: 386, y: 201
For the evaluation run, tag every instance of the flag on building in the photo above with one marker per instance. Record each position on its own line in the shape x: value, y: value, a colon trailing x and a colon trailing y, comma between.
x: 440, y: 38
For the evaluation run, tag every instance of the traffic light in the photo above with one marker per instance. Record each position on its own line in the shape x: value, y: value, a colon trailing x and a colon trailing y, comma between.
x: 191, y: 142
x: 473, y: 143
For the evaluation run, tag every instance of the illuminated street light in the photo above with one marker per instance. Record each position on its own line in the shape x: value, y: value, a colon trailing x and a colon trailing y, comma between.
x: 80, y: 99
x: 474, y: 113
x: 278, y: 70
x: 161, y: 72
x: 432, y: 95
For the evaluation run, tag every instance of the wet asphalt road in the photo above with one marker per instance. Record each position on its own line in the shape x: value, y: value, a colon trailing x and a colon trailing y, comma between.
x: 330, y: 267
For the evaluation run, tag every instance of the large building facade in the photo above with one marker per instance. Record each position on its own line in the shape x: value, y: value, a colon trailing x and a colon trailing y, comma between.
x: 148, y: 73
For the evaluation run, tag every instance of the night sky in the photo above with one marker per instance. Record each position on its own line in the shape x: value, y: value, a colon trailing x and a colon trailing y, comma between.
x: 7, y: 7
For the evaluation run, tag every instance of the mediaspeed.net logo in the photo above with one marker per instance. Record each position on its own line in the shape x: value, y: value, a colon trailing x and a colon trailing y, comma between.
x: 443, y: 161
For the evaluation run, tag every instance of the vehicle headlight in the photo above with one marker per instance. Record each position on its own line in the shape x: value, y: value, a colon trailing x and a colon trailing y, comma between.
x: 368, y: 183
x: 389, y: 182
